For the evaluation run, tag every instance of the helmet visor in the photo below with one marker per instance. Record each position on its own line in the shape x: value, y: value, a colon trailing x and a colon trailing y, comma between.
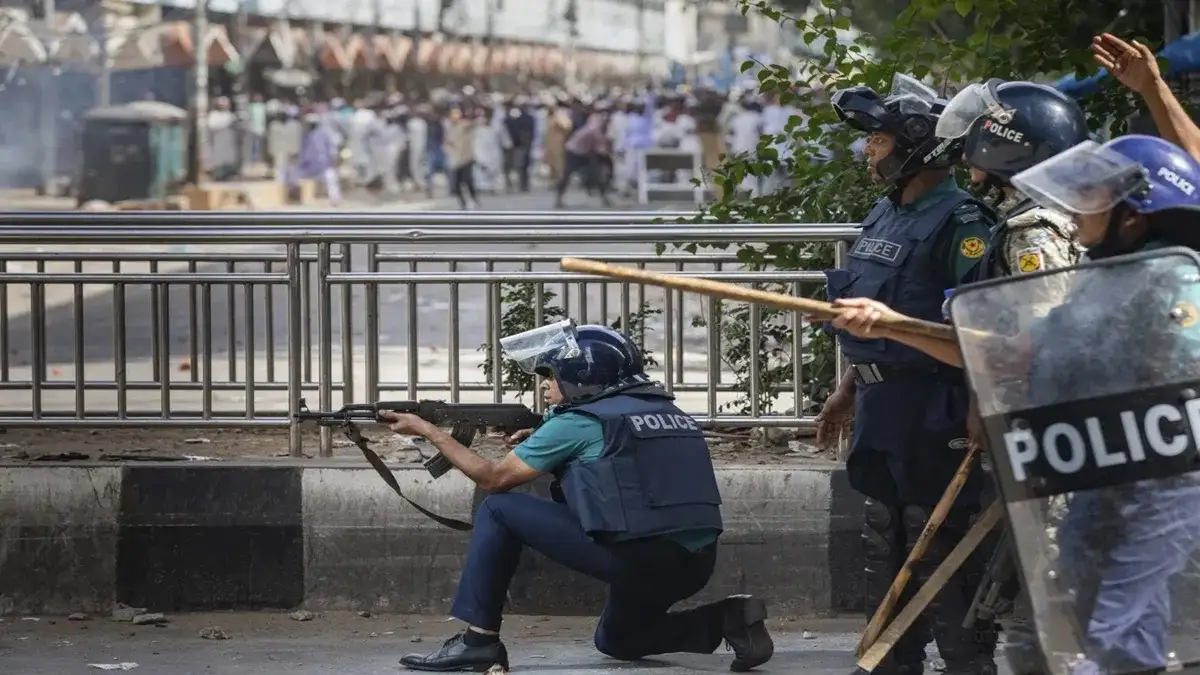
x: 1088, y: 178
x: 909, y: 96
x: 536, y: 347
x: 969, y: 105
x: 861, y: 109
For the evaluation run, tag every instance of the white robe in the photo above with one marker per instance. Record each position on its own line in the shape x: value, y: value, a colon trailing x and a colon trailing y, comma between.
x: 417, y: 164
x: 488, y: 142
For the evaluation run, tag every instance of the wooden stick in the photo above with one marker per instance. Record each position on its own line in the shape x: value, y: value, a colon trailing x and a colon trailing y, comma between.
x: 940, y: 577
x: 884, y: 611
x: 815, y: 308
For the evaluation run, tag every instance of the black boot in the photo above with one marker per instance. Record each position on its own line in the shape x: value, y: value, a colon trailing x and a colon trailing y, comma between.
x: 744, y: 628
x: 455, y: 656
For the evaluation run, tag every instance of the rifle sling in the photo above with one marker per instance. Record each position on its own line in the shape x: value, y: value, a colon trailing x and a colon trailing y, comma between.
x: 386, y: 474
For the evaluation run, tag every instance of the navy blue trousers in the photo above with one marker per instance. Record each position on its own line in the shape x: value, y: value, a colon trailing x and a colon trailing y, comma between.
x: 645, y: 577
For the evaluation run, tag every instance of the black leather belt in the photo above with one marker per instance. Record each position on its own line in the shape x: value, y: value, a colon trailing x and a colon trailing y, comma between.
x: 874, y: 373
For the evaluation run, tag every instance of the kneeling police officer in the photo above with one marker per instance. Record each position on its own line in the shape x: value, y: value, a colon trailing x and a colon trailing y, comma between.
x: 635, y: 505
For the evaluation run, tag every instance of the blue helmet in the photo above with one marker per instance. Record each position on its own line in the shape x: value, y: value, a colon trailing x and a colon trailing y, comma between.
x: 1172, y: 175
x: 1147, y: 174
x: 1008, y: 127
x: 588, y: 362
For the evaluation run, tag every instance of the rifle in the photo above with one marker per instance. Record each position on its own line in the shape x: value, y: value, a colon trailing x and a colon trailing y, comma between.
x: 464, y: 419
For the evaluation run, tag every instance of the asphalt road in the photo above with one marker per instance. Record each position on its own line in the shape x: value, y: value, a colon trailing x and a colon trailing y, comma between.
x: 348, y: 646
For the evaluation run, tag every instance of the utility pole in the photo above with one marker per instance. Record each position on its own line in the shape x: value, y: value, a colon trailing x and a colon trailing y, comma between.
x: 104, y: 82
x: 200, y: 90
x: 49, y: 117
x: 572, y: 18
x: 641, y: 38
x: 241, y: 97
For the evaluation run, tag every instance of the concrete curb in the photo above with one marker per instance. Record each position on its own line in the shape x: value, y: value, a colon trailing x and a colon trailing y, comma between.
x: 323, y: 535
x: 208, y: 536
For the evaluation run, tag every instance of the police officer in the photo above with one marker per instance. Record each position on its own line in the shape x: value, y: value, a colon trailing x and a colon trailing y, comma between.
x: 1133, y: 194
x: 910, y: 411
x: 636, y: 507
x: 1006, y: 128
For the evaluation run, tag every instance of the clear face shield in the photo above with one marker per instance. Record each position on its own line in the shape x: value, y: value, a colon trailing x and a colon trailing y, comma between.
x: 910, y: 96
x: 533, y: 348
x: 1086, y: 179
x: 970, y: 104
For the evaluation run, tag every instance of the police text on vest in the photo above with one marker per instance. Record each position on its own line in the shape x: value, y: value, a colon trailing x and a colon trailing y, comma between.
x: 1135, y: 436
x: 662, y: 422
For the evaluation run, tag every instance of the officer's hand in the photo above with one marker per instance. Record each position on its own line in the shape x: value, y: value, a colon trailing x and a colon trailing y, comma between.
x: 405, y: 424
x: 836, y: 418
x: 1133, y: 64
x: 516, y: 438
x: 859, y: 316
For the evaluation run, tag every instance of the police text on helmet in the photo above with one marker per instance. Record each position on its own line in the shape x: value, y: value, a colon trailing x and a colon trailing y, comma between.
x: 1067, y: 447
x: 658, y: 421
x: 1176, y: 180
x: 1003, y: 131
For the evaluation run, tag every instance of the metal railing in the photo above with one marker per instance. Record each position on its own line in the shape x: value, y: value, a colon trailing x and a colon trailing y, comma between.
x: 106, y: 321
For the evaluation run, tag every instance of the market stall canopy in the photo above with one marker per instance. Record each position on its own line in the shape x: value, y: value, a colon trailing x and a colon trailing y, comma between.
x: 428, y: 52
x: 332, y: 54
x: 170, y: 44
x: 274, y: 47
x: 69, y: 40
x: 402, y: 50
x: 18, y: 42
x: 384, y: 47
x: 360, y: 53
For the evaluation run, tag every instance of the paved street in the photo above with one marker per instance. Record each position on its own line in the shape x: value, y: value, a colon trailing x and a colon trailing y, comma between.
x: 429, y: 333
x: 262, y: 644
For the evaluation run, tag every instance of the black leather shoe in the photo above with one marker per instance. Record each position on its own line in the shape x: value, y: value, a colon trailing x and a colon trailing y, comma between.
x: 916, y: 669
x: 745, y: 631
x: 454, y: 656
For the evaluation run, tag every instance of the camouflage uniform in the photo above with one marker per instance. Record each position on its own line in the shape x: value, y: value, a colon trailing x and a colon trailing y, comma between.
x: 1034, y: 239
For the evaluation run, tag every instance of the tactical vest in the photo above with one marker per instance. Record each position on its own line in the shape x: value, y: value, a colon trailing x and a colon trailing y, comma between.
x: 653, y: 477
x: 895, y: 261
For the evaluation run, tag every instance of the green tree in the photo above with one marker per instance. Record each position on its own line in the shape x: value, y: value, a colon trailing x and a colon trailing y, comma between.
x: 945, y: 42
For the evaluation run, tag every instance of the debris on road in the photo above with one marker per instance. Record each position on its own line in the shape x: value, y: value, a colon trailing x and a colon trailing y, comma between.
x: 127, y: 665
x: 213, y: 633
x: 302, y: 615
x: 78, y: 616
x: 126, y: 613
x: 155, y: 618
x: 364, y: 614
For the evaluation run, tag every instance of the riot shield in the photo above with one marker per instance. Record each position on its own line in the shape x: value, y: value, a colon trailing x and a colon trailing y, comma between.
x: 1086, y: 380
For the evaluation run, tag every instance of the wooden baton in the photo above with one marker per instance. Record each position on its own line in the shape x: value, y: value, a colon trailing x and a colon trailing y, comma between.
x: 940, y: 577
x: 876, y: 625
x: 815, y: 308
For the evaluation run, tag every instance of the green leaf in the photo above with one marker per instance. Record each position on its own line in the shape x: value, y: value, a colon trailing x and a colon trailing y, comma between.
x: 963, y: 7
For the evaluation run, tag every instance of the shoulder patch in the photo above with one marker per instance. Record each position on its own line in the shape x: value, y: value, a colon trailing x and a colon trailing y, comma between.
x: 972, y: 247
x: 1187, y: 314
x: 1030, y: 260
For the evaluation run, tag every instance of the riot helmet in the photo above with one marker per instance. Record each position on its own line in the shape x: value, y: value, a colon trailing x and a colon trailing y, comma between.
x: 588, y: 362
x: 1138, y: 184
x: 909, y: 114
x: 1008, y: 127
